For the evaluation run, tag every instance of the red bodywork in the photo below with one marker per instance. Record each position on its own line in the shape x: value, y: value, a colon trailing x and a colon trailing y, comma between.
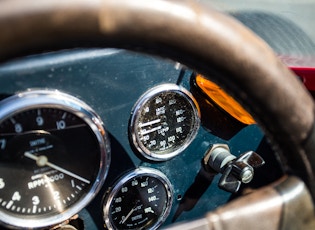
x: 302, y: 67
x: 307, y: 75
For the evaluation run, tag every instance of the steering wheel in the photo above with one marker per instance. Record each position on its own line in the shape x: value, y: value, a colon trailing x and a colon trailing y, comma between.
x: 212, y: 44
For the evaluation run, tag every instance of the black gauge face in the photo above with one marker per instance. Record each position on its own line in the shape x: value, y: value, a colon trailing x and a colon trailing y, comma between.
x: 165, y: 120
x: 140, y: 200
x: 49, y: 163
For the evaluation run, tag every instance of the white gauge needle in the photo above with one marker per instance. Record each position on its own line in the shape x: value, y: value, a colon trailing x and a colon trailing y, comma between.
x: 142, y: 132
x: 129, y: 214
x: 149, y: 123
x: 42, y: 161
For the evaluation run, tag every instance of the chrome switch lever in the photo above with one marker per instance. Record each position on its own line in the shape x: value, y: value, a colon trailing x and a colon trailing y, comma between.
x: 234, y: 170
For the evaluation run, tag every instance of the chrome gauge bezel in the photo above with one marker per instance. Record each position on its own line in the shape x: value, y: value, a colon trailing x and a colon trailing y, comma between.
x: 136, y: 113
x: 47, y: 98
x: 141, y: 171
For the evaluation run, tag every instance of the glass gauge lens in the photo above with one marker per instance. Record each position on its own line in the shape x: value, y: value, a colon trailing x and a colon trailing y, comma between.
x: 164, y: 122
x: 140, y: 200
x: 53, y: 158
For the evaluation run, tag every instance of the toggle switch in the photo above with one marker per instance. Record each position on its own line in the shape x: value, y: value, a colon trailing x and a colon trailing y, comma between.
x: 234, y: 170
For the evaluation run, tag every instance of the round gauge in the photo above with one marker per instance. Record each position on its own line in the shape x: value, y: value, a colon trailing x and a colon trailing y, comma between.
x: 164, y: 122
x: 54, y: 156
x: 140, y: 200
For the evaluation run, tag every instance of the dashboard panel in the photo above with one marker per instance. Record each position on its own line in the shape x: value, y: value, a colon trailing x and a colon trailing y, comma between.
x: 111, y: 82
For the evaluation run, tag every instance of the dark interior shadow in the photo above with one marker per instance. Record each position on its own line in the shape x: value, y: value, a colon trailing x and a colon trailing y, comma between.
x: 193, y: 194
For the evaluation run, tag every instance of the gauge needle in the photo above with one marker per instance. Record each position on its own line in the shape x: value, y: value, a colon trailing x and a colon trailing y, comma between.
x: 129, y: 214
x: 43, y: 160
x: 149, y: 123
x: 145, y: 132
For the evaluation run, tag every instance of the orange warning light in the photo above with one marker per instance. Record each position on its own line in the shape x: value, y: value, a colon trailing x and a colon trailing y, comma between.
x: 225, y: 101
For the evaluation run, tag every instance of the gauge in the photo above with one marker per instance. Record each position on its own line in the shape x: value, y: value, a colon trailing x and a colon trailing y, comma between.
x: 140, y: 200
x: 54, y: 156
x: 164, y: 122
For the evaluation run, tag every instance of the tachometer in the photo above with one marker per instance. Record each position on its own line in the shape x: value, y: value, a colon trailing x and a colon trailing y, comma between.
x: 54, y: 156
x: 140, y: 200
x: 164, y: 122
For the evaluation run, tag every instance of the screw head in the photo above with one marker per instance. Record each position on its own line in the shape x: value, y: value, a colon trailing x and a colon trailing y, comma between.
x: 246, y: 175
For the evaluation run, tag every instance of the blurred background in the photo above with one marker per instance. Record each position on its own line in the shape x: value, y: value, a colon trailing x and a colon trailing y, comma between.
x: 301, y: 12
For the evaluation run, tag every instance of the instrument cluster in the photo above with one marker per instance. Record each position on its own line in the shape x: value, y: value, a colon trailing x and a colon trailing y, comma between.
x: 41, y: 131
x: 110, y: 137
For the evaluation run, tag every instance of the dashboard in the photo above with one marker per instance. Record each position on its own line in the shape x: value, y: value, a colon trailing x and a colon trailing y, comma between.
x: 50, y: 100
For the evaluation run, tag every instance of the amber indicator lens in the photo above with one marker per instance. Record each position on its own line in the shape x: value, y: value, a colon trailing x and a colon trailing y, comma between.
x: 225, y: 101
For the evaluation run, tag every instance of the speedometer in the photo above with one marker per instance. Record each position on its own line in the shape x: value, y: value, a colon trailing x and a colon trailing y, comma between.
x: 164, y: 122
x: 54, y: 156
x: 142, y: 199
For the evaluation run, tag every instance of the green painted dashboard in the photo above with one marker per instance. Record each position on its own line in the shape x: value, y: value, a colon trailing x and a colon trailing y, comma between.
x: 111, y: 81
